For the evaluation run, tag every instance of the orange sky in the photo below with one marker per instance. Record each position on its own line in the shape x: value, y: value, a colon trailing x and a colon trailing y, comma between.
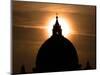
x: 29, y: 22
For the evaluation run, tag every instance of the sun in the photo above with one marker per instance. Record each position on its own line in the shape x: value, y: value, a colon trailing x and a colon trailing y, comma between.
x: 65, y: 26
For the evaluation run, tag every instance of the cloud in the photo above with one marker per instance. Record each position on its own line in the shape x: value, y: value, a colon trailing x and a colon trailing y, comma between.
x: 26, y: 26
x: 53, y: 7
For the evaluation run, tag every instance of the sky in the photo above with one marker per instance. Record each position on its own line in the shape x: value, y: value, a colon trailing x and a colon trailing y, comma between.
x: 30, y: 21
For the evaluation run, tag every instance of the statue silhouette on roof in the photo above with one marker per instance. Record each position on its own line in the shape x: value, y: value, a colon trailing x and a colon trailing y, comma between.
x: 57, y: 53
x: 22, y: 71
x: 88, y: 66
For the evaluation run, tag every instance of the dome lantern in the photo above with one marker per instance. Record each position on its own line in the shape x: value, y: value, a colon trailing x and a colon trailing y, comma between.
x: 57, y: 53
x: 57, y: 31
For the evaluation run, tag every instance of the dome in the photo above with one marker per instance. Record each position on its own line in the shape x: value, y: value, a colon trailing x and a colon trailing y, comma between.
x: 57, y: 53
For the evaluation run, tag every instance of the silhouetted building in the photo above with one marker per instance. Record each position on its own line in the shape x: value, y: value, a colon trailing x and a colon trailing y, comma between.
x: 57, y: 53
x: 22, y: 71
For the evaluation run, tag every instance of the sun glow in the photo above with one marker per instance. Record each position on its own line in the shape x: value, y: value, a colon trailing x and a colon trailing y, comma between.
x: 65, y: 26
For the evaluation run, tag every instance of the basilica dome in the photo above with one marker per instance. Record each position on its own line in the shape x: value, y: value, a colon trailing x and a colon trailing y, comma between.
x: 57, y: 53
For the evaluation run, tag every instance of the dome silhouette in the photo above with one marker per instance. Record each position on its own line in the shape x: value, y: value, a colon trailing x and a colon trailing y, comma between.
x: 57, y: 53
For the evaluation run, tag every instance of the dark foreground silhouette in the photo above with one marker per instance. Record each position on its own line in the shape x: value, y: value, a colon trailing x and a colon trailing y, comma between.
x: 57, y: 53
